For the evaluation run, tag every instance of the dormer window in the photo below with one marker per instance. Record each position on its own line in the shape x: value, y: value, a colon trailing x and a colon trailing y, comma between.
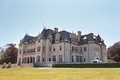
x: 85, y: 38
x: 54, y: 49
x: 94, y: 37
x: 60, y: 47
x: 38, y: 41
x: 57, y: 38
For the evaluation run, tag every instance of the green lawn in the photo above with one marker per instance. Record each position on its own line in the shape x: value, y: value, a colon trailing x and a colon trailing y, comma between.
x: 60, y: 74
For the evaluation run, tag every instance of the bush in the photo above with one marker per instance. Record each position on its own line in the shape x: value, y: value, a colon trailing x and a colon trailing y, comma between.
x: 9, y: 65
x: 4, y: 65
x: 88, y: 65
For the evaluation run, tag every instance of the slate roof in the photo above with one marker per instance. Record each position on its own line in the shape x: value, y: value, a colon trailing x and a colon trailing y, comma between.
x: 65, y: 36
x: 27, y: 38
x: 45, y: 33
x: 91, y: 38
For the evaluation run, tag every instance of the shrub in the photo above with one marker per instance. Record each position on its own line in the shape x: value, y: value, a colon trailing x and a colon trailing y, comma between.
x: 9, y: 65
x: 4, y: 65
x: 88, y: 65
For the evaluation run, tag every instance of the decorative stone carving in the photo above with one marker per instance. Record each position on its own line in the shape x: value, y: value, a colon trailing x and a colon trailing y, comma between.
x: 57, y: 37
x: 73, y: 38
x: 50, y: 37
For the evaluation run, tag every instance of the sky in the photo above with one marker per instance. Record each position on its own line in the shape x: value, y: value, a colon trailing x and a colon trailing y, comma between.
x: 20, y: 17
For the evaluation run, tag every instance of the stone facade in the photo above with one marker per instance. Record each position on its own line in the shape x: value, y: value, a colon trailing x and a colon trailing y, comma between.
x: 61, y: 47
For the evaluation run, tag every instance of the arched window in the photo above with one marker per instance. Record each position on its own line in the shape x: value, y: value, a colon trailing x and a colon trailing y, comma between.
x: 38, y: 49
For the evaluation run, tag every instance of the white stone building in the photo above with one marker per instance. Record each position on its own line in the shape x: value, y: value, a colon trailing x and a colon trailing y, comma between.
x: 53, y: 46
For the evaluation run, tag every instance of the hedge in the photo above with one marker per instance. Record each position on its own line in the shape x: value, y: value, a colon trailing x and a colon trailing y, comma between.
x: 88, y: 65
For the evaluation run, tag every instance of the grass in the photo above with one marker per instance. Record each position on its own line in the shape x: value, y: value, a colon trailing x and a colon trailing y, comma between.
x: 60, y: 74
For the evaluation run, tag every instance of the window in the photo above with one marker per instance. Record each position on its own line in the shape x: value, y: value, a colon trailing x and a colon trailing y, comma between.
x: 81, y: 49
x: 80, y: 58
x: 84, y: 59
x: 50, y: 48
x: 28, y: 50
x: 75, y: 48
x: 33, y: 49
x: 54, y: 58
x: 77, y: 58
x: 20, y: 52
x: 60, y: 47
x: 38, y: 49
x: 23, y: 51
x: 43, y: 59
x: 60, y: 58
x: 85, y: 49
x: 49, y: 59
x: 38, y: 41
x: 43, y: 48
x: 72, y: 59
x: 38, y: 58
x: 50, y: 40
x: 72, y: 48
x: 53, y: 48
x: 96, y: 49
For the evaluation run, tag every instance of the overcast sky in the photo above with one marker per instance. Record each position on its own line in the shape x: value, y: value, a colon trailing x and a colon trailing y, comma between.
x: 18, y: 17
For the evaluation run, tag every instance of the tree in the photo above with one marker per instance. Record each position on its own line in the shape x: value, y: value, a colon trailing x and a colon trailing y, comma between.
x: 10, y: 54
x: 114, y: 52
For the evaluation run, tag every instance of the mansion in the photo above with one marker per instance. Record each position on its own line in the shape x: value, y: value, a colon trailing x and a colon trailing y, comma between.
x: 54, y: 46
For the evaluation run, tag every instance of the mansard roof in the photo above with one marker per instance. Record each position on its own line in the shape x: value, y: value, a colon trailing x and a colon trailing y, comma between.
x: 27, y: 38
x: 91, y: 38
x: 66, y: 36
x: 45, y: 33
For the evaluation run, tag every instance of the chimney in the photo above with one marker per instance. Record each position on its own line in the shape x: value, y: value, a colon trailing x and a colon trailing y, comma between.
x: 56, y: 30
x: 79, y: 35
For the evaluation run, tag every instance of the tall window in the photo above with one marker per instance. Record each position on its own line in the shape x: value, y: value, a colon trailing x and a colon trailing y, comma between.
x: 96, y: 49
x: 53, y: 48
x: 85, y: 48
x: 72, y: 48
x: 60, y: 58
x: 50, y: 48
x: 38, y: 49
x: 43, y: 59
x: 43, y: 48
x: 75, y: 48
x: 49, y: 59
x: 81, y: 49
x: 84, y: 59
x: 72, y: 59
x: 23, y: 51
x: 33, y: 49
x: 38, y: 58
x: 38, y: 41
x: 80, y: 58
x: 54, y: 58
x: 77, y: 58
x: 28, y: 50
x: 20, y: 52
x: 60, y: 47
